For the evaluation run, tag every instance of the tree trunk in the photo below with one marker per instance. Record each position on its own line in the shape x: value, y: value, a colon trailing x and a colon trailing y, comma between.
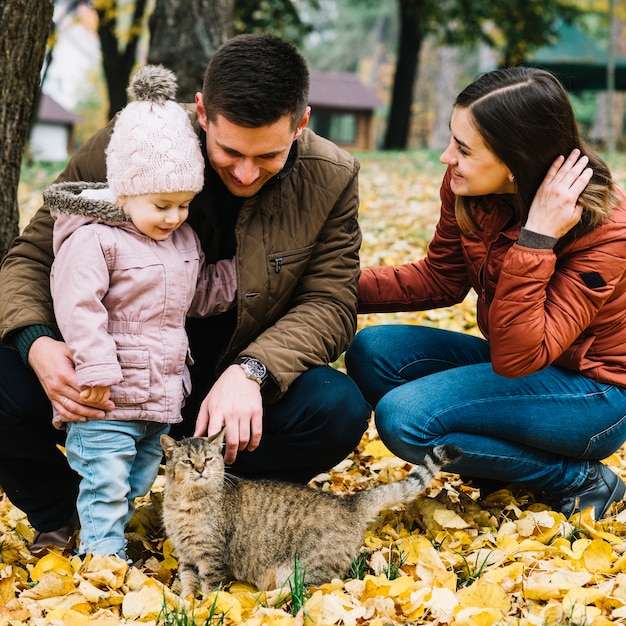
x: 411, y: 36
x: 118, y: 63
x: 445, y: 93
x: 601, y: 127
x: 599, y: 133
x: 24, y: 29
x: 184, y: 34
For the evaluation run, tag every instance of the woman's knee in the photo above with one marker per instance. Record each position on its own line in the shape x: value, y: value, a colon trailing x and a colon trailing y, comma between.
x: 362, y: 349
x: 367, y: 364
x: 402, y: 426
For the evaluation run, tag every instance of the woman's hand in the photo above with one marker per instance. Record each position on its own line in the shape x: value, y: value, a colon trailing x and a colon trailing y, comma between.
x: 555, y: 209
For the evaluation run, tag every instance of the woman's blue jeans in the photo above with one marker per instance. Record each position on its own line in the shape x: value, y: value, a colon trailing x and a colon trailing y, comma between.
x: 431, y: 386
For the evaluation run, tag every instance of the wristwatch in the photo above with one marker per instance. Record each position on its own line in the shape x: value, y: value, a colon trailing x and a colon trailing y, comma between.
x: 252, y: 368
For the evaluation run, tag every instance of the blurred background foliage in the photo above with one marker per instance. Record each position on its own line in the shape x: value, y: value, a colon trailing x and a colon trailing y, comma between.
x: 410, y: 51
x: 415, y: 55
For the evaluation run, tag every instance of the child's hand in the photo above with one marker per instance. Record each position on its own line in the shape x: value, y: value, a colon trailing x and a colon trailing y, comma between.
x: 52, y: 363
x: 95, y: 395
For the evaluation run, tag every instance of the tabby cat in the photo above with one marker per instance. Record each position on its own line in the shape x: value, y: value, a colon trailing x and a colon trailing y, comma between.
x: 225, y: 528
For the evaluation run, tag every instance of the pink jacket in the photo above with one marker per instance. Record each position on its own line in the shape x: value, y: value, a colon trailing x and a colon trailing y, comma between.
x: 121, y: 298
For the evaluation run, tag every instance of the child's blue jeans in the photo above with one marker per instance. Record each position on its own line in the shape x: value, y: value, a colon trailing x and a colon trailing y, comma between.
x: 117, y: 461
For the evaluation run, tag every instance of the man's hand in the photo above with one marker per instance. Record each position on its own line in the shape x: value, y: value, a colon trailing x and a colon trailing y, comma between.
x: 235, y: 403
x: 51, y: 362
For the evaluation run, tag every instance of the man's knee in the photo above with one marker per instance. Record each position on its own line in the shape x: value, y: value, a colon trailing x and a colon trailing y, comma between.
x: 331, y: 388
x: 339, y: 403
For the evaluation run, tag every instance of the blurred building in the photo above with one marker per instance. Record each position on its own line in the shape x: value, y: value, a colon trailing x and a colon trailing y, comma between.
x: 342, y: 109
x: 52, y: 130
x: 578, y: 61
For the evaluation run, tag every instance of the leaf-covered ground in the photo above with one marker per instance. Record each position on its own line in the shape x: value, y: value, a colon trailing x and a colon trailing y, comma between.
x: 446, y: 559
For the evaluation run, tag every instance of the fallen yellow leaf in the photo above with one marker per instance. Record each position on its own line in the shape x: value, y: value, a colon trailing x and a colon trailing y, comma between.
x: 484, y: 594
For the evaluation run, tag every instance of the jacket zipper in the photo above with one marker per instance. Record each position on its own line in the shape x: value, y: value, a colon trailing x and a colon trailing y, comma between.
x: 279, y: 261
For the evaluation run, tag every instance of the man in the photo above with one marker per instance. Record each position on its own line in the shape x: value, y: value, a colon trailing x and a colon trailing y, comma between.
x: 281, y: 200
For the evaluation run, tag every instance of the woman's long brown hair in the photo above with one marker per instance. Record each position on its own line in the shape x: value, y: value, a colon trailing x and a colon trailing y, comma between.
x: 525, y: 118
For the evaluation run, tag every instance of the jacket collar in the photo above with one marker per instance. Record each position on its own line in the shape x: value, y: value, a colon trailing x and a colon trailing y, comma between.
x: 289, y: 163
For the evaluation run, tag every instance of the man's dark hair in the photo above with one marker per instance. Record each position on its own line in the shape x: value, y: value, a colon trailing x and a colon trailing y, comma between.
x: 253, y: 80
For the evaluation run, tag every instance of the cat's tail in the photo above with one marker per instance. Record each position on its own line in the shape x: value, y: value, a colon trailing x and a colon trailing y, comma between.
x: 371, y: 502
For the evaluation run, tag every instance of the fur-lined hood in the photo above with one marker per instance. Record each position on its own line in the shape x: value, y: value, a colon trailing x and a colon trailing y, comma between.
x: 75, y: 204
x: 91, y: 200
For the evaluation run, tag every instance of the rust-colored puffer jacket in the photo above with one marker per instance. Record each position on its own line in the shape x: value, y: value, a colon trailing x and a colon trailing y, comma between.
x: 297, y: 260
x: 536, y: 307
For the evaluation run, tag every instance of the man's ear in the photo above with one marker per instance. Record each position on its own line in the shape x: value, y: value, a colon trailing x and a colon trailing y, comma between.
x: 200, y: 111
x: 303, y: 122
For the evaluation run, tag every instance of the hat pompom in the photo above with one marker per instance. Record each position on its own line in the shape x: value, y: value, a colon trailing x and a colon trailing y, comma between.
x: 153, y: 83
x: 153, y: 146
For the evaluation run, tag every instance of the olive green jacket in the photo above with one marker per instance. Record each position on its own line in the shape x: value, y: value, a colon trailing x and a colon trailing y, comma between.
x: 297, y: 260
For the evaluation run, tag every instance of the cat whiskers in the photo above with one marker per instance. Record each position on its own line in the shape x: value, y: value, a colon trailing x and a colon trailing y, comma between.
x: 230, y: 478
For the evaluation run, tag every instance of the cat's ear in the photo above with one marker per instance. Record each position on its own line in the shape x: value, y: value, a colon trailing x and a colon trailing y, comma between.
x: 168, y: 444
x: 219, y: 438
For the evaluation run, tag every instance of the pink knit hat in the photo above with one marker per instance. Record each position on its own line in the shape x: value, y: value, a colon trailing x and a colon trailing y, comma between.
x: 153, y: 147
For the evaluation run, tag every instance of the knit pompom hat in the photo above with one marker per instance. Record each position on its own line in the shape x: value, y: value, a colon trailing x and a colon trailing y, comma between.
x: 153, y: 147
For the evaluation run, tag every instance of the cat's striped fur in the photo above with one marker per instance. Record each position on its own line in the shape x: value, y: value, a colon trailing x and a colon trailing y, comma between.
x: 225, y: 528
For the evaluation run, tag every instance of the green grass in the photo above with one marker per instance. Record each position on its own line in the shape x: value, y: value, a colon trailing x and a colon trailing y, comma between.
x: 298, y: 585
x: 617, y: 163
x: 401, y: 162
x: 471, y: 573
x: 39, y: 175
x: 183, y: 617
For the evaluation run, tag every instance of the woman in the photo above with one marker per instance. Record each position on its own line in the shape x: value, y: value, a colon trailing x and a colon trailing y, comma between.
x: 531, y: 220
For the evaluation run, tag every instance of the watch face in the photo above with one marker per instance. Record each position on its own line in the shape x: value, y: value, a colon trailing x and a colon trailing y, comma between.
x: 256, y: 369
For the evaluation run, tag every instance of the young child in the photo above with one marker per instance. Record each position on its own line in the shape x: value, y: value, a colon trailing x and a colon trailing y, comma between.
x: 127, y: 272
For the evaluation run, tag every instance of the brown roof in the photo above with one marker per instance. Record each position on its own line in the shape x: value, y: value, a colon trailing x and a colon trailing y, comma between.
x: 52, y: 112
x: 341, y: 90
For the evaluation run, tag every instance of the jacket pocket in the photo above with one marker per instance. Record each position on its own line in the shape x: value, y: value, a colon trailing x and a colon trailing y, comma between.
x: 135, y: 388
x: 293, y: 261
